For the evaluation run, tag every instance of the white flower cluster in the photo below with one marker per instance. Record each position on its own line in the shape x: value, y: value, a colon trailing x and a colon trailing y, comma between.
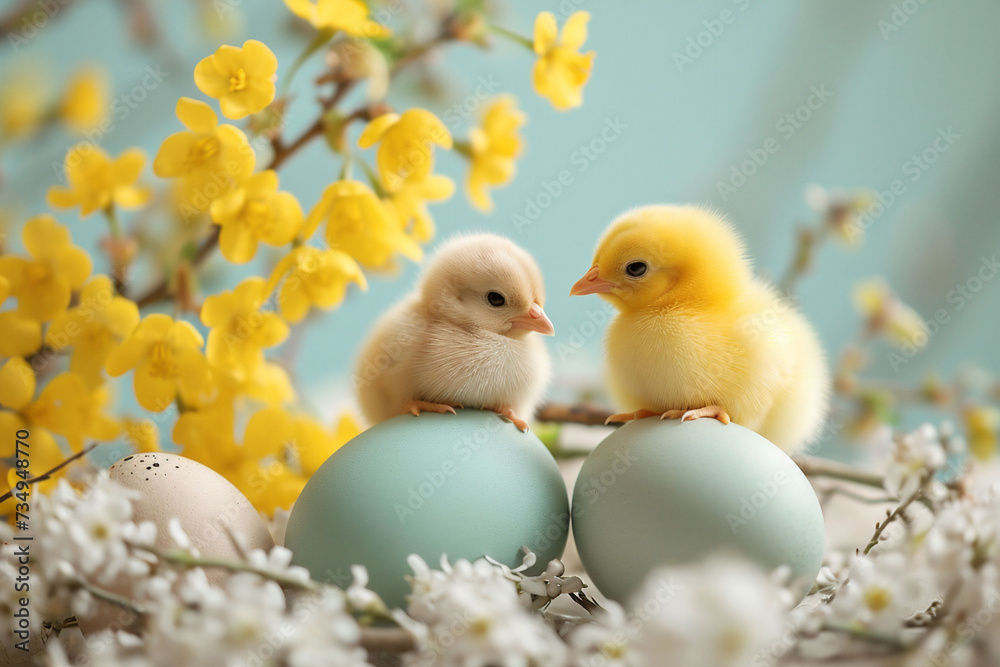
x: 928, y: 595
x: 470, y: 614
x: 718, y: 613
x: 90, y: 556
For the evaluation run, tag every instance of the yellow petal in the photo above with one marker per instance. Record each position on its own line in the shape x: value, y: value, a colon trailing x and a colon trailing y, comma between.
x: 376, y: 128
x: 21, y: 336
x: 259, y: 58
x: 574, y: 32
x: 43, y: 236
x: 184, y: 335
x: 302, y: 8
x: 60, y: 197
x: 171, y: 159
x: 75, y: 265
x: 17, y: 384
x: 122, y: 316
x: 209, y: 79
x: 546, y: 32
x: 128, y: 166
x: 196, y: 115
x: 237, y: 244
x: 267, y: 431
x: 126, y: 356
x: 154, y: 392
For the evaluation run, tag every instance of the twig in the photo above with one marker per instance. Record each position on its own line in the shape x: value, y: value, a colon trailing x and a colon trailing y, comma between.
x: 864, y: 635
x: 895, y: 514
x: 46, y: 475
x: 579, y: 413
x: 184, y: 559
x: 108, y: 596
x: 813, y: 466
x: 387, y: 640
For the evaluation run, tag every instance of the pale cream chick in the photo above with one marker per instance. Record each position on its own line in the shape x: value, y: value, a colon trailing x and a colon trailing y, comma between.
x: 697, y: 335
x: 467, y: 337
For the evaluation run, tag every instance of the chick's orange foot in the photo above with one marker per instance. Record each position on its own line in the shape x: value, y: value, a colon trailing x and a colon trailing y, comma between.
x: 624, y: 417
x: 713, y: 411
x: 416, y: 407
x: 508, y: 413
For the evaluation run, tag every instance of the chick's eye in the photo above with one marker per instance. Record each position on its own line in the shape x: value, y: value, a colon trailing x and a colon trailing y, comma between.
x: 636, y: 269
x: 496, y: 299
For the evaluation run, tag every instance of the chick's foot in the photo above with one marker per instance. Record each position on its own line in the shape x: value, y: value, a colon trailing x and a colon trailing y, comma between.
x: 623, y: 417
x: 416, y: 407
x: 508, y: 413
x: 713, y: 411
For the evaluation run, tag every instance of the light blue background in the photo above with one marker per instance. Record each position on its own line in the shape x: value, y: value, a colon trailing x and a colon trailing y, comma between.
x: 685, y: 129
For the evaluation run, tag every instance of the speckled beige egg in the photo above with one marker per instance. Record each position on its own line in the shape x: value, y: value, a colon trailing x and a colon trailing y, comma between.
x: 207, y: 505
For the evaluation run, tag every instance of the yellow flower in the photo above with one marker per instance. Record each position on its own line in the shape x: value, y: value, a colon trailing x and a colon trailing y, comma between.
x: 315, y: 278
x: 561, y: 70
x: 493, y: 147
x: 68, y: 407
x: 241, y: 78
x: 406, y: 145
x: 886, y: 314
x: 408, y: 205
x: 17, y: 387
x: 93, y: 328
x: 85, y: 103
x: 209, y: 436
x: 141, y: 434
x: 254, y: 212
x: 349, y: 16
x: 21, y: 335
x: 167, y: 359
x: 44, y: 283
x: 239, y: 328
x: 96, y: 181
x: 281, y: 451
x: 357, y: 223
x: 210, y: 159
x: 982, y: 424
x: 22, y: 103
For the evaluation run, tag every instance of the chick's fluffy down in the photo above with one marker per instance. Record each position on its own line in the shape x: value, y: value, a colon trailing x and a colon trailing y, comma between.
x: 446, y: 344
x: 699, y: 329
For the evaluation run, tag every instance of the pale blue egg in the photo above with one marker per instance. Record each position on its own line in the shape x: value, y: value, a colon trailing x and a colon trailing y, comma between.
x: 465, y: 485
x: 669, y: 492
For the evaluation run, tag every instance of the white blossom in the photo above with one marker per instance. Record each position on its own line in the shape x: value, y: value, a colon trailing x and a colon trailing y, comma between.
x: 720, y: 612
x: 881, y: 593
x: 474, y: 618
x: 915, y: 457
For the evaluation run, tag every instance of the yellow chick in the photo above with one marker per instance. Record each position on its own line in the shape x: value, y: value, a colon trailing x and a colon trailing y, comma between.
x: 696, y: 335
x: 463, y: 338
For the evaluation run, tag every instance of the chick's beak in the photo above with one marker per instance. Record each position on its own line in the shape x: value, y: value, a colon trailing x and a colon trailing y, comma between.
x: 592, y: 283
x: 534, y: 320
